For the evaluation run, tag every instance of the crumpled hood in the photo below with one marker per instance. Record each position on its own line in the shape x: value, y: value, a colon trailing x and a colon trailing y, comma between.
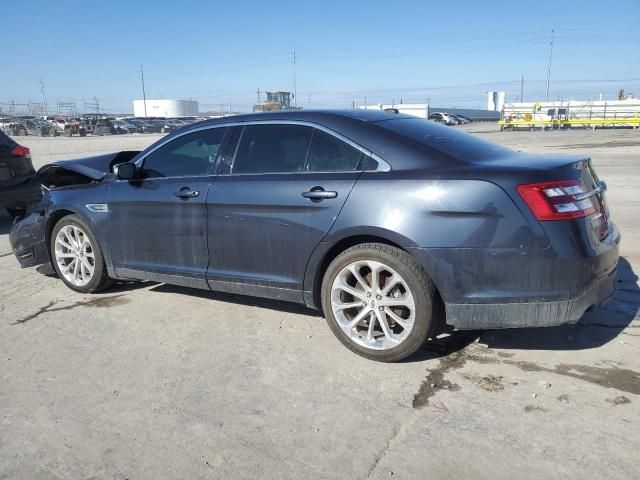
x: 82, y: 170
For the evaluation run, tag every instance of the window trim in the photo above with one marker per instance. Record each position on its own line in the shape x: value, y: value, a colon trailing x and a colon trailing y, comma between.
x: 383, y: 166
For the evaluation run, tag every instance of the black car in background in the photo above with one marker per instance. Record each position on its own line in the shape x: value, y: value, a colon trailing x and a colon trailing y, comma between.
x: 18, y: 187
x: 144, y: 126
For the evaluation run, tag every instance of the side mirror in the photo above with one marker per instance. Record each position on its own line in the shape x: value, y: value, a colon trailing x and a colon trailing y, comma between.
x: 125, y: 171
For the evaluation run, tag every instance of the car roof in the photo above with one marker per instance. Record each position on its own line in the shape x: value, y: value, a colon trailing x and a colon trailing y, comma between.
x: 362, y: 115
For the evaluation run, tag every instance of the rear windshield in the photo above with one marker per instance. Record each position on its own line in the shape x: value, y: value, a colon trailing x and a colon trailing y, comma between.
x: 448, y: 140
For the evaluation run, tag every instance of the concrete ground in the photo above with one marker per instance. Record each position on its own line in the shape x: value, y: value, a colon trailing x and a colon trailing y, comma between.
x: 150, y: 381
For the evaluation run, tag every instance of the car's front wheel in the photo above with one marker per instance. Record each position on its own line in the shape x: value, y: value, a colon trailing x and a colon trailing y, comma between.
x: 77, y: 257
x: 379, y: 302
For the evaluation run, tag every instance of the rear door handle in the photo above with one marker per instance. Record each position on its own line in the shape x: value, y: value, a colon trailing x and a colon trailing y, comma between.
x: 317, y: 194
x: 186, y: 192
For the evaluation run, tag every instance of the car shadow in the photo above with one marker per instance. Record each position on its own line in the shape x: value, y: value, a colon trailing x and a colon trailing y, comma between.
x: 282, y: 306
x: 593, y: 330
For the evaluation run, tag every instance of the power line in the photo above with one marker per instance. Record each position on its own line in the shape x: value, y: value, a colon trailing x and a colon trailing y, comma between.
x: 144, y: 95
x: 546, y: 95
x: 295, y: 85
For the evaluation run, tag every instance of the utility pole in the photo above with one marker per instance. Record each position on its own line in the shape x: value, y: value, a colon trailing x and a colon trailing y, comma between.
x: 522, y: 89
x: 295, y: 86
x: 258, y: 92
x: 144, y: 95
x: 546, y: 95
x: 309, y: 99
x: 44, y: 98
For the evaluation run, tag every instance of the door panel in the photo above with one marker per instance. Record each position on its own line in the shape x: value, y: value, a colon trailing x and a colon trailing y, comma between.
x: 262, y: 230
x: 158, y: 223
x: 152, y: 229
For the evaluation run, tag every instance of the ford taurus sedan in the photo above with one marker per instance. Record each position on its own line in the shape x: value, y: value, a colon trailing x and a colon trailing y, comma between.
x: 389, y: 224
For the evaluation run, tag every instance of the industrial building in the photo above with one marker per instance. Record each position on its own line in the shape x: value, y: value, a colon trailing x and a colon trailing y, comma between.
x: 495, y: 101
x: 165, y: 107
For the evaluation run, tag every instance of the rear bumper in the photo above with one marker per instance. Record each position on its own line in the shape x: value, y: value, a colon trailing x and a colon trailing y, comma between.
x: 531, y: 314
x: 22, y: 195
x: 513, y: 288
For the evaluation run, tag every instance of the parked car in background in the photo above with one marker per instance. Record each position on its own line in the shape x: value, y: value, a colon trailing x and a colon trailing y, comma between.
x: 163, y: 126
x: 33, y: 126
x: 463, y: 119
x: 388, y: 223
x: 443, y: 118
x: 18, y: 187
x: 105, y: 126
x: 144, y: 126
x: 124, y: 127
x: 69, y: 127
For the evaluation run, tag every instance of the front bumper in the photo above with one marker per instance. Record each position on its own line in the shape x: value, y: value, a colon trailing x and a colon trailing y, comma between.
x: 22, y: 195
x: 28, y: 241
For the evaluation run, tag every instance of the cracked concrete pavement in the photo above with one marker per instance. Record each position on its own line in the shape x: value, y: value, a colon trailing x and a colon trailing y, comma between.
x: 155, y: 381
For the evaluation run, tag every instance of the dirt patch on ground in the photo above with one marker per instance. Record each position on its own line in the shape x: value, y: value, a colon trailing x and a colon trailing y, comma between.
x: 490, y: 383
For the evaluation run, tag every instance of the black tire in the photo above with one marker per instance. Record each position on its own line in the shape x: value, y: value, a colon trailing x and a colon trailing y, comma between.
x: 16, y: 212
x: 53, y: 132
x: 68, y: 132
x: 100, y: 280
x: 83, y: 132
x: 422, y: 289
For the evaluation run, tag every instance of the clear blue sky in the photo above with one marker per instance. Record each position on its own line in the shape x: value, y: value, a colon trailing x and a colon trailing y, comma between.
x: 222, y: 52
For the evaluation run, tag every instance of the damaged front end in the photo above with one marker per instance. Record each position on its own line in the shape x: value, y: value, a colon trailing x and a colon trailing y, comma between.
x: 81, y: 171
x: 29, y: 237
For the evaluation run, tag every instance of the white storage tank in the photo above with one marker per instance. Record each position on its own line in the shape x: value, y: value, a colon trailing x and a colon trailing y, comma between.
x: 165, y: 107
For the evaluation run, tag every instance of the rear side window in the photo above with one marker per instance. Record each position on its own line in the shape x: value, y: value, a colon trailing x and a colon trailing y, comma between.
x: 330, y: 154
x: 449, y: 141
x: 193, y: 154
x: 272, y: 149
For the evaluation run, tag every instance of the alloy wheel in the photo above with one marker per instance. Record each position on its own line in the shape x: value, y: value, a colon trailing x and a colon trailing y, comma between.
x: 373, y: 304
x: 74, y: 255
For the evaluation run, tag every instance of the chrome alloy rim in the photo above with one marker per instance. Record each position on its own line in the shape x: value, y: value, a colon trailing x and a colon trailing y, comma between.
x: 373, y: 304
x: 74, y: 255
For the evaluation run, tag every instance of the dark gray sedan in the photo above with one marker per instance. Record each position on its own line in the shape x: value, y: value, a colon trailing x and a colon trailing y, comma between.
x: 388, y: 223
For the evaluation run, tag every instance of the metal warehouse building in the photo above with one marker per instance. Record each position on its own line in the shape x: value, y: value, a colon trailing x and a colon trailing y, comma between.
x: 164, y: 107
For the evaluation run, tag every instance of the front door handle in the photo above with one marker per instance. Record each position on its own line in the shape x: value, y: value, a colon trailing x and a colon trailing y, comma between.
x: 317, y: 194
x: 186, y: 192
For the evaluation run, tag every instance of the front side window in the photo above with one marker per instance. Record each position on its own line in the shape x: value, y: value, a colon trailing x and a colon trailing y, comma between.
x: 272, y: 149
x: 330, y: 154
x: 193, y: 154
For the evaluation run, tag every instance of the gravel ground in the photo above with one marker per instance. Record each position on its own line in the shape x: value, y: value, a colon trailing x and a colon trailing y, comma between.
x: 153, y: 381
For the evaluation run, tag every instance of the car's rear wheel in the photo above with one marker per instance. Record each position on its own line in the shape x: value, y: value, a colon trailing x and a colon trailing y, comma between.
x: 379, y: 302
x: 77, y: 257
x: 53, y: 132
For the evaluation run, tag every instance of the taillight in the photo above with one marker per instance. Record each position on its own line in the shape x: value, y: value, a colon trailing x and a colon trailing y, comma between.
x: 20, y: 151
x: 560, y: 200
